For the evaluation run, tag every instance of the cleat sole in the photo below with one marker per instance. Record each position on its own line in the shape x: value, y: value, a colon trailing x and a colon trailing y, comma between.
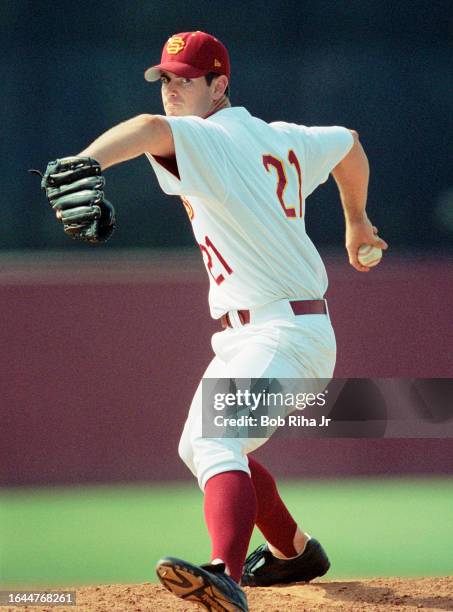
x: 187, y: 584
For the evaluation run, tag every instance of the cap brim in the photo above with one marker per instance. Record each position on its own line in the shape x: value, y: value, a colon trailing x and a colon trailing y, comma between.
x: 178, y: 68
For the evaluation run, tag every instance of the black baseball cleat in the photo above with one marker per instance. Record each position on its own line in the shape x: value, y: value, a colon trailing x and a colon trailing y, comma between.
x: 207, y: 585
x: 261, y: 568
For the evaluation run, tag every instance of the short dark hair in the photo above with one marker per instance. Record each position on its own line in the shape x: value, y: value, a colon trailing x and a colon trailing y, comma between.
x: 211, y: 76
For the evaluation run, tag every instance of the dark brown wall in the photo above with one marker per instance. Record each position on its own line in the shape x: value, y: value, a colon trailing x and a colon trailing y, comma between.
x: 100, y: 359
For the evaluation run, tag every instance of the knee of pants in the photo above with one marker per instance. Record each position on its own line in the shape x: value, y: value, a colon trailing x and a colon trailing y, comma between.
x: 206, y: 457
x: 185, y: 451
x: 212, y: 456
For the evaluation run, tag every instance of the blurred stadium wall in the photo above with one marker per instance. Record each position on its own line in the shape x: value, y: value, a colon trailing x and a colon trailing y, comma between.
x: 101, y: 356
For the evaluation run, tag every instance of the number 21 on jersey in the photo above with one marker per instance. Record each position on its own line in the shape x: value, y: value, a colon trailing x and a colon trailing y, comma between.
x: 271, y: 162
x: 209, y: 250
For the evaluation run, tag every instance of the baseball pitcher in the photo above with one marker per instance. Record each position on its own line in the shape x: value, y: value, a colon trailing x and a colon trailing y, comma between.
x: 244, y: 184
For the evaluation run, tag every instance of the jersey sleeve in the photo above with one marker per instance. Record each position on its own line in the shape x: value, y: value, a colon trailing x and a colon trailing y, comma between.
x: 200, y: 159
x: 324, y: 148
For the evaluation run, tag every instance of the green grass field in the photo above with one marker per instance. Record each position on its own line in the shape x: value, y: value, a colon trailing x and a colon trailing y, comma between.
x: 108, y: 534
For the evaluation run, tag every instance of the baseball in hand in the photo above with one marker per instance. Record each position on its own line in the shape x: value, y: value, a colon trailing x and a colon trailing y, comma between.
x: 369, y: 255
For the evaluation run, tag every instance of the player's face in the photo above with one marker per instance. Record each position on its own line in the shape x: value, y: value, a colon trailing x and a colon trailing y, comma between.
x: 181, y: 96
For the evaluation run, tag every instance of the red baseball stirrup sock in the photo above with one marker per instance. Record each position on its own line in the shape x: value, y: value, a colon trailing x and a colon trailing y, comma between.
x: 230, y: 512
x: 273, y: 518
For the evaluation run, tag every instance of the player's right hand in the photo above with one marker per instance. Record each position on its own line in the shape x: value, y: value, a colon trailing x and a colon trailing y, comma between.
x: 74, y: 188
x: 358, y: 232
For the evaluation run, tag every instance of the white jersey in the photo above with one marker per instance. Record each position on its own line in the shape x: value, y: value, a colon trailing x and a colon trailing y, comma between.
x: 244, y: 183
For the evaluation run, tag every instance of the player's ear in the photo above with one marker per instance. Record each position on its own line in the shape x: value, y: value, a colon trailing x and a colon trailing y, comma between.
x: 220, y: 85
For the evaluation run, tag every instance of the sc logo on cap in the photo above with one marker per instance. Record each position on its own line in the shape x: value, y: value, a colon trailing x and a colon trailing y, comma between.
x: 175, y: 45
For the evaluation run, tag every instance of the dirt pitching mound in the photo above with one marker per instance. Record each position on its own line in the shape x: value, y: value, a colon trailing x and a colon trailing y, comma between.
x: 377, y: 595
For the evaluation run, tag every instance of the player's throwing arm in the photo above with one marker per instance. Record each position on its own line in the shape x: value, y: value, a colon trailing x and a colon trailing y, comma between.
x: 351, y: 176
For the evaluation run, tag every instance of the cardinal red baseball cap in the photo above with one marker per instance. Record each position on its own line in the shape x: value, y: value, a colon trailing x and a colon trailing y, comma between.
x: 191, y: 55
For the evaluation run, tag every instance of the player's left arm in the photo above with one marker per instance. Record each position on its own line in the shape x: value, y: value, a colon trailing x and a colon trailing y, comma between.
x: 141, y: 134
x: 352, y: 177
x: 74, y: 185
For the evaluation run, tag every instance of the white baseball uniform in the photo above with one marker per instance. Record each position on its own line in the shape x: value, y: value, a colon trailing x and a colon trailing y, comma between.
x: 244, y: 184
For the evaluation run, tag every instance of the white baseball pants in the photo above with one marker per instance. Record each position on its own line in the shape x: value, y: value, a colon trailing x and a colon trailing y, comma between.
x: 275, y: 344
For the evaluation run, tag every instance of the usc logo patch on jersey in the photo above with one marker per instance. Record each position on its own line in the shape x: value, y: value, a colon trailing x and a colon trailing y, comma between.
x: 175, y: 45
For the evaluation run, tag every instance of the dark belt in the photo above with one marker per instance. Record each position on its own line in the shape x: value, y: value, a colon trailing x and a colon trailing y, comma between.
x: 299, y: 307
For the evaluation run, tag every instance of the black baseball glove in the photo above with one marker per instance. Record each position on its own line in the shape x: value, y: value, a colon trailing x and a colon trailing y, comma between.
x: 74, y: 187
